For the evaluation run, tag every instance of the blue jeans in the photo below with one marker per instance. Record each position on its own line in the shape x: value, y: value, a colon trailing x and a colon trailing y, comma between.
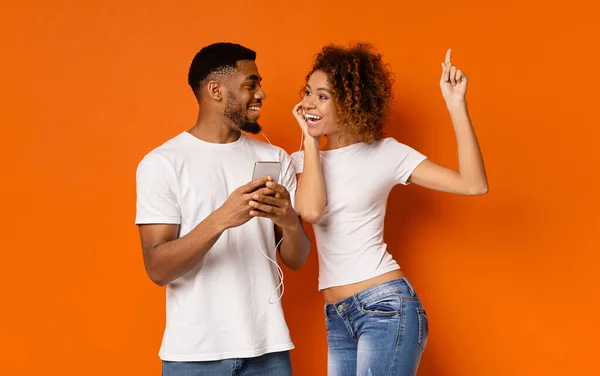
x: 276, y: 364
x: 380, y: 331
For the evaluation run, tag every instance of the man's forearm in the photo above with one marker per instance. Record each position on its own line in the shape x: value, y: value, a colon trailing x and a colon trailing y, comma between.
x: 295, y: 246
x: 172, y: 259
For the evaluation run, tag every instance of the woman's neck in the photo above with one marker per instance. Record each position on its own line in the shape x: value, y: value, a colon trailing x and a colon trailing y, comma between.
x: 337, y: 141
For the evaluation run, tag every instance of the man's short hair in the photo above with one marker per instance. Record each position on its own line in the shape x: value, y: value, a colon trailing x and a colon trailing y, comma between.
x: 218, y: 58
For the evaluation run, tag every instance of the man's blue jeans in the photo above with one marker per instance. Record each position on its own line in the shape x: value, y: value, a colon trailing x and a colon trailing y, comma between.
x: 276, y: 364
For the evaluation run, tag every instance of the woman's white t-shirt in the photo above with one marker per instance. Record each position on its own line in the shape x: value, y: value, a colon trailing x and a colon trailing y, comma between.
x: 358, y: 179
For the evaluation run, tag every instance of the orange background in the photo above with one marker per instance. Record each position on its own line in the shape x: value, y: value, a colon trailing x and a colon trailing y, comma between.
x: 509, y: 280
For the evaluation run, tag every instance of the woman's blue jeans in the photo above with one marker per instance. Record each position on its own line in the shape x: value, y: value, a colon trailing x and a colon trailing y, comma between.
x: 380, y: 331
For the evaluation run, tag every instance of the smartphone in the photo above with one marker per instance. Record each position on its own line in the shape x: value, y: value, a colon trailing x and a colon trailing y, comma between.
x: 262, y: 169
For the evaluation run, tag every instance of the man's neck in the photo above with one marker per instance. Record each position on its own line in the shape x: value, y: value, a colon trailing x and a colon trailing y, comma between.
x: 211, y: 128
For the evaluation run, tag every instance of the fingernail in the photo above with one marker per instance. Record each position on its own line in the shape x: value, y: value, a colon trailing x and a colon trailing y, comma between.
x: 252, y: 203
x: 255, y: 197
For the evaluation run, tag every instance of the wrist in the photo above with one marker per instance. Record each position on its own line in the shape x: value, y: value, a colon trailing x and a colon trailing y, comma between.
x: 457, y: 106
x: 311, y: 143
x: 293, y: 226
x: 218, y: 221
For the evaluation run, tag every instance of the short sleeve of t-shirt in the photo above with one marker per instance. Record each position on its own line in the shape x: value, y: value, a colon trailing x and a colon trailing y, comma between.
x: 156, y: 191
x: 405, y: 159
x: 298, y: 161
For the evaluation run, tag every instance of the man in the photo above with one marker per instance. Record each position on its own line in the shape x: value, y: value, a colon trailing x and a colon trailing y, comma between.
x: 195, y: 211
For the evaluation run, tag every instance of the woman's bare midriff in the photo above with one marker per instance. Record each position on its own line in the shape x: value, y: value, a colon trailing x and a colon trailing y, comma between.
x: 337, y: 293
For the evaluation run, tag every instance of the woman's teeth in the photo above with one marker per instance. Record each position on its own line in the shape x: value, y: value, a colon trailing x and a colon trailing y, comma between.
x: 312, y: 118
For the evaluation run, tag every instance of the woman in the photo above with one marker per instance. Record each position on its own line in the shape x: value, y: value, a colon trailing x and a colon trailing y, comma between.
x: 376, y: 324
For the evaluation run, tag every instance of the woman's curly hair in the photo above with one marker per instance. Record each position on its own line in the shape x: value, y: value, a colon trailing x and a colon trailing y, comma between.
x: 361, y: 84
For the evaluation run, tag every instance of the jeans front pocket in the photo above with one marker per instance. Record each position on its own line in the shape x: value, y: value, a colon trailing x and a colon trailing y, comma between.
x: 384, y: 305
x: 423, y: 327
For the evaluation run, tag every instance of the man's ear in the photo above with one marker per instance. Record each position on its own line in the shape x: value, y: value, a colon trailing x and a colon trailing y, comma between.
x: 215, y: 90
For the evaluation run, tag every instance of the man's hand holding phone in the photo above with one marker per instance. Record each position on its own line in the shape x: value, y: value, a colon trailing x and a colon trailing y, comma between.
x: 274, y: 202
x: 262, y: 197
x: 236, y: 210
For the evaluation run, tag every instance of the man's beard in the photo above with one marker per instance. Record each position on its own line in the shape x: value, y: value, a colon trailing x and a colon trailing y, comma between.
x: 235, y: 113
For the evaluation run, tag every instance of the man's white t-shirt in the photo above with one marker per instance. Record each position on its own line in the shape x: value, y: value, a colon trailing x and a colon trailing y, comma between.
x: 358, y: 180
x: 221, y: 308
